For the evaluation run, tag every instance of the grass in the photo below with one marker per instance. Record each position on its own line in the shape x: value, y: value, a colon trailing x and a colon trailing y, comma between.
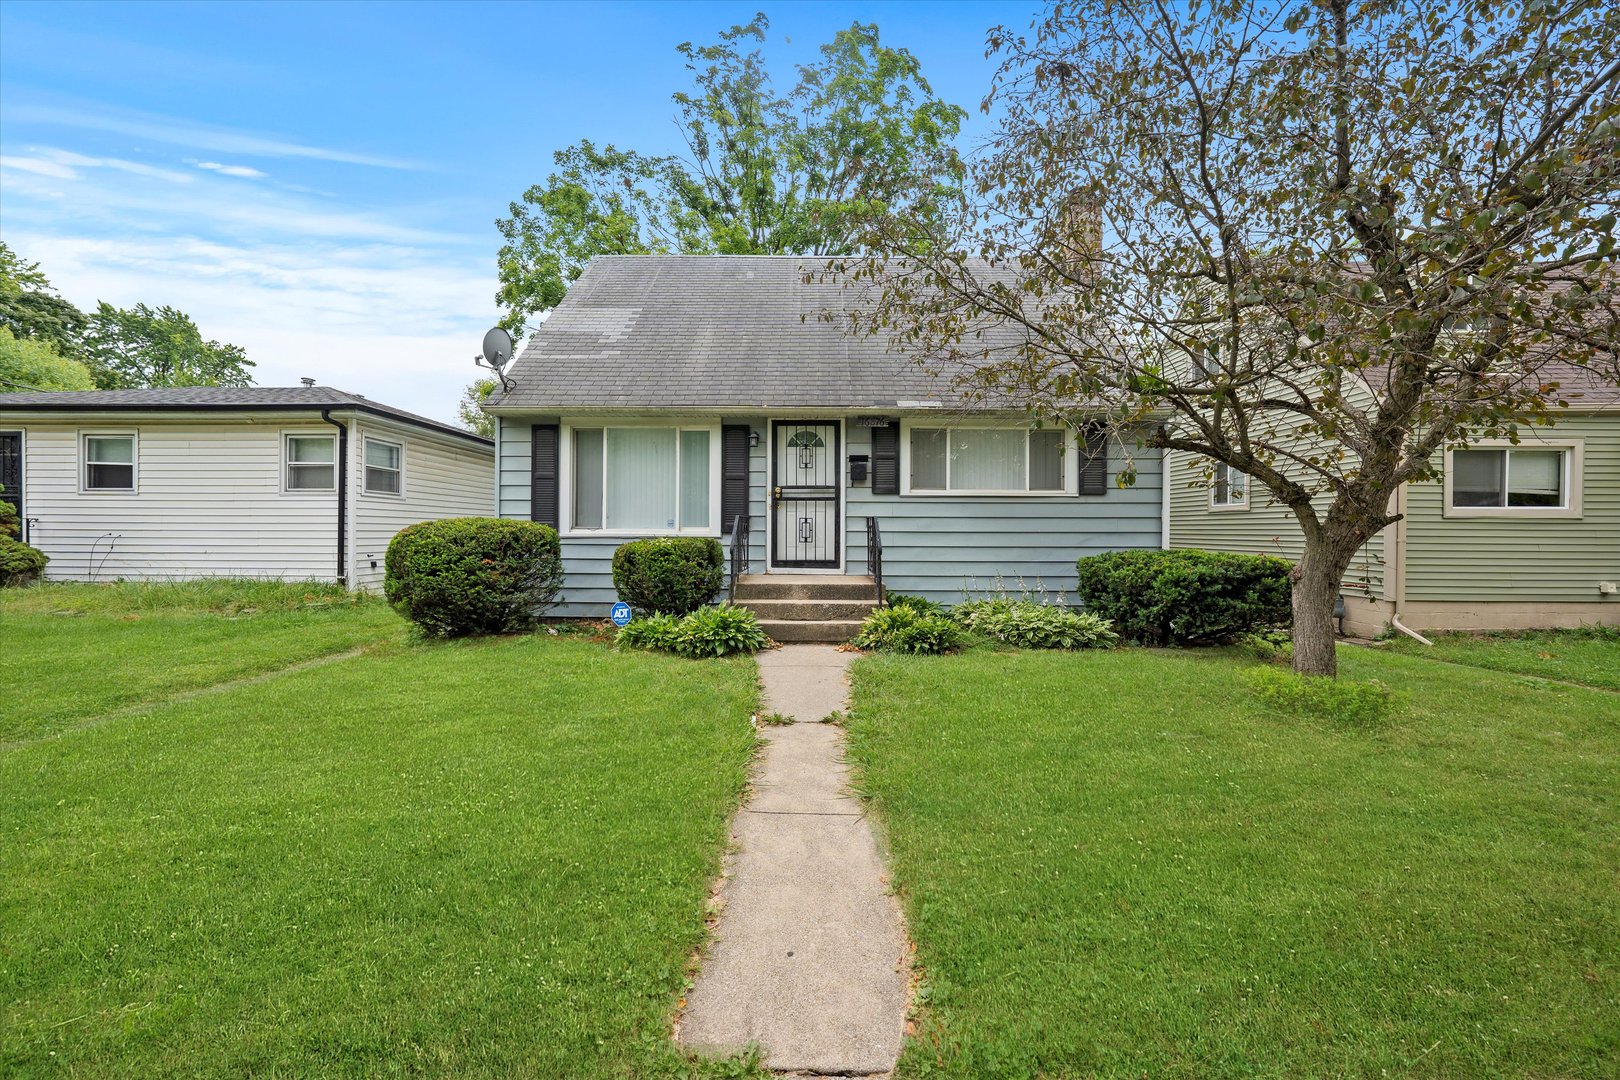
x: 1123, y: 864
x: 95, y: 649
x: 1589, y: 655
x: 473, y: 859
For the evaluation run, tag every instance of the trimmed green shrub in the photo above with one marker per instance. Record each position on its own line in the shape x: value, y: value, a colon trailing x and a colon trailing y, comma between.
x: 1029, y: 625
x: 670, y: 574
x: 10, y: 523
x: 474, y: 575
x: 921, y: 605
x: 1186, y: 597
x: 719, y: 631
x: 19, y: 563
x: 905, y: 629
x: 708, y: 631
x: 1341, y: 701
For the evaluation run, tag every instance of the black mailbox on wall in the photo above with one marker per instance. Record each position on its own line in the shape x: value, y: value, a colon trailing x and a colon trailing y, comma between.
x: 857, y: 468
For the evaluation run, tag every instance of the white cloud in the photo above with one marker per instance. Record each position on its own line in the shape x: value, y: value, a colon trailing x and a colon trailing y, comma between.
x: 231, y: 170
x: 64, y: 165
x: 37, y: 166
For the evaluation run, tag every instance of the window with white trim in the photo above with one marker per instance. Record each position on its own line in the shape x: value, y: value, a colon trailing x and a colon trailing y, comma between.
x: 311, y: 462
x: 109, y: 462
x: 643, y: 479
x: 1230, y: 489
x: 988, y: 460
x: 1528, y: 478
x: 384, y: 467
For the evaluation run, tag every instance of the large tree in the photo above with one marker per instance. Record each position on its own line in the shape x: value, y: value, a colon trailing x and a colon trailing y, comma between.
x: 1318, y: 242
x: 31, y: 308
x: 143, y: 346
x: 764, y: 172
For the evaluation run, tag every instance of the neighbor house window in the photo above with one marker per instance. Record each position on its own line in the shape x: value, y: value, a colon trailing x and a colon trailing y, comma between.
x: 311, y: 463
x: 987, y: 460
x: 1230, y: 491
x: 383, y: 467
x: 643, y: 479
x: 1516, y: 478
x: 109, y: 463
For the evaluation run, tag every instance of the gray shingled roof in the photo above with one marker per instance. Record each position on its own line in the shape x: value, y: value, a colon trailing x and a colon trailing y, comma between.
x: 709, y: 331
x: 217, y: 399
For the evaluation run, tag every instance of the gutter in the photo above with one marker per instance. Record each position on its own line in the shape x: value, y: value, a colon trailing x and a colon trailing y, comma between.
x: 342, y: 465
x: 69, y: 413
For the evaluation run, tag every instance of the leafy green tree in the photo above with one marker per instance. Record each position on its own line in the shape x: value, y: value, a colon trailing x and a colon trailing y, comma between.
x: 30, y: 308
x: 470, y: 409
x: 143, y: 346
x: 764, y: 172
x: 1318, y: 242
x: 32, y: 364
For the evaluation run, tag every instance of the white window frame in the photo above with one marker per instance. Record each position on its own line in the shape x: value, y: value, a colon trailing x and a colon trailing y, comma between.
x: 565, y: 478
x: 1571, y: 481
x: 286, y: 463
x: 366, y: 467
x: 1229, y: 506
x: 85, y: 462
x: 1071, y: 462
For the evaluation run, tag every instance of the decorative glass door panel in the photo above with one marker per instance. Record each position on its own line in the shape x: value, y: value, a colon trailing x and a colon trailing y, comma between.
x: 805, y: 474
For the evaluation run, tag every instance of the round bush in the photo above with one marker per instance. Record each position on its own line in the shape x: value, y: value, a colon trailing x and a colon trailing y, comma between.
x: 1186, y: 597
x: 474, y: 575
x: 672, y: 575
x: 19, y: 563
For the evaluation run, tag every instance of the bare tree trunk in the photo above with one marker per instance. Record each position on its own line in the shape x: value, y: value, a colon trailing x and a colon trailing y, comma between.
x: 1317, y: 581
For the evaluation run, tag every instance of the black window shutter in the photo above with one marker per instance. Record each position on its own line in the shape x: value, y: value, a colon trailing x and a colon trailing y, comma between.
x: 543, y: 475
x: 886, y: 460
x: 1093, y: 461
x: 734, y: 452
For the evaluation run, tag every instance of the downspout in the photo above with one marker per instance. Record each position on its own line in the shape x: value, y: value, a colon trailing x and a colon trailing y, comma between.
x: 1400, y: 582
x: 1164, y: 501
x: 342, y: 465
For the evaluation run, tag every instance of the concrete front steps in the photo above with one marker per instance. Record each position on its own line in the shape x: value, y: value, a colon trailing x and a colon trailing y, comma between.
x: 808, y: 608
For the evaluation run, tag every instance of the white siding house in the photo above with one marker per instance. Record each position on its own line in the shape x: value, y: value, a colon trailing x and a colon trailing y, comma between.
x: 292, y: 483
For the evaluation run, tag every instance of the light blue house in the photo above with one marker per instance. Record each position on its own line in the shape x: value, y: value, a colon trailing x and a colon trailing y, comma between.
x: 709, y: 396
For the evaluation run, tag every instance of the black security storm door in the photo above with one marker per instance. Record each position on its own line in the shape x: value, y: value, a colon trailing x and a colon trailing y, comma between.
x: 805, y: 523
x: 11, y: 474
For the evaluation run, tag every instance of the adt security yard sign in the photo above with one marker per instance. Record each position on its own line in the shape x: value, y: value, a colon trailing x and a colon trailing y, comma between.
x: 621, y: 614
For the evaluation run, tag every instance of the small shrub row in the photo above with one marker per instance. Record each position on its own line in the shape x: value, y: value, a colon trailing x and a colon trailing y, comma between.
x: 708, y: 631
x: 1029, y: 625
x: 1340, y: 701
x: 462, y: 576
x: 1186, y: 597
x: 909, y: 630
x: 669, y: 575
x: 19, y: 563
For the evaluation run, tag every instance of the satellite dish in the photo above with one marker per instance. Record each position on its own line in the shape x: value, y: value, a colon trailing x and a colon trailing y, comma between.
x: 497, y: 348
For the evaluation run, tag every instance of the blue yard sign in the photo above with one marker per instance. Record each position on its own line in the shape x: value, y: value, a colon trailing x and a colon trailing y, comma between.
x: 621, y: 613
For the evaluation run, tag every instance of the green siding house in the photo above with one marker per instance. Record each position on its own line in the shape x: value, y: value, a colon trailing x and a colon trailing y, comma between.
x: 1512, y: 537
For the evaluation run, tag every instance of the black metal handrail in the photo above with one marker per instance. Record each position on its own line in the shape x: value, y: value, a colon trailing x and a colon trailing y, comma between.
x: 874, y: 556
x: 739, y: 555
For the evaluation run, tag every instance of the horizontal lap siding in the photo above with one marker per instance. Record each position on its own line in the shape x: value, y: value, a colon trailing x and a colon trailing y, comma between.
x: 208, y: 504
x: 440, y: 481
x: 1529, y: 559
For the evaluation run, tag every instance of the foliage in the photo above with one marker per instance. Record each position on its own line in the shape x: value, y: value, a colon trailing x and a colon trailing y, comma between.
x: 921, y: 605
x: 462, y: 576
x: 30, y: 309
x: 709, y: 631
x: 670, y: 574
x: 470, y: 409
x: 1029, y: 625
x: 1319, y: 243
x: 764, y: 173
x: 10, y: 522
x: 32, y: 363
x: 907, y: 630
x: 1342, y: 701
x: 1271, y: 646
x: 19, y: 563
x: 156, y: 347
x: 1185, y: 596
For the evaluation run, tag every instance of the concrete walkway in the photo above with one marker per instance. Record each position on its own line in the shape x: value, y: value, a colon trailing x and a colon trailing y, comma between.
x: 808, y: 960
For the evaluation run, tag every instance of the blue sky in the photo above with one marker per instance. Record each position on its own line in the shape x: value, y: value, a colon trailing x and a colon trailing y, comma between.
x: 319, y: 182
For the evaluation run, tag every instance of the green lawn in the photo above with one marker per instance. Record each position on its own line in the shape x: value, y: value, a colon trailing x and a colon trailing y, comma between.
x: 1589, y: 656
x: 78, y: 652
x: 1121, y: 865
x: 477, y: 859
